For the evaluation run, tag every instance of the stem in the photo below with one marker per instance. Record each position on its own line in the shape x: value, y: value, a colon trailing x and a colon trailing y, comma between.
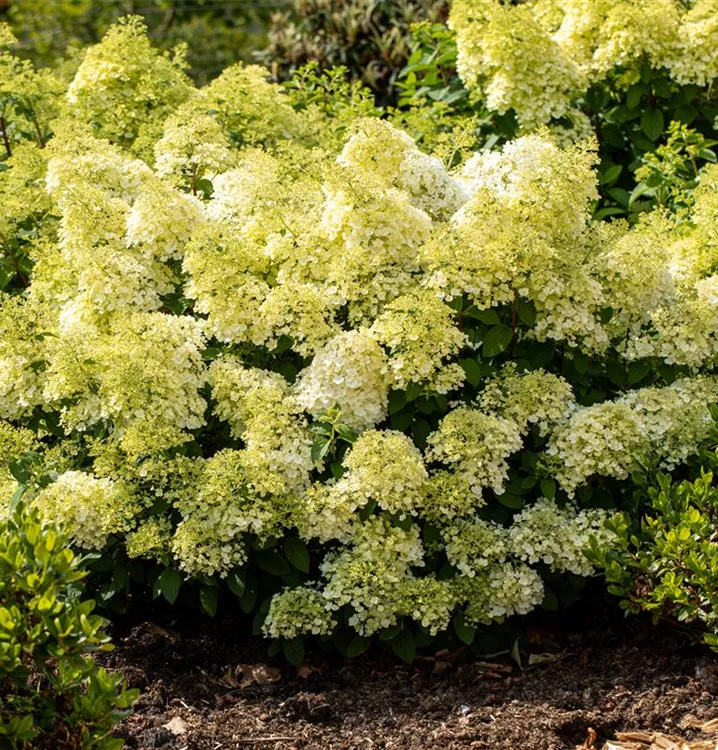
x: 5, y: 139
x: 18, y: 272
x: 38, y: 132
x: 514, y: 313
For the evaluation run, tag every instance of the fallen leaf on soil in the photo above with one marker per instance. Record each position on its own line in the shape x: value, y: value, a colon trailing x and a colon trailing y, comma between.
x: 177, y: 726
x: 244, y: 675
x: 536, y: 659
x: 440, y: 666
x: 306, y: 670
x: 157, y: 630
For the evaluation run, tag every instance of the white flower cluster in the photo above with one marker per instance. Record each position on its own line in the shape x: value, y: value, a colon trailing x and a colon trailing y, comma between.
x: 386, y: 466
x: 351, y: 371
x: 477, y: 447
x: 558, y: 537
x: 90, y: 509
x: 261, y: 410
x: 614, y: 437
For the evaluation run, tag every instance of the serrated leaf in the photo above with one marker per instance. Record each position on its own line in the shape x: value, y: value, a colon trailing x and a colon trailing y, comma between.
x: 297, y: 554
x: 496, y: 340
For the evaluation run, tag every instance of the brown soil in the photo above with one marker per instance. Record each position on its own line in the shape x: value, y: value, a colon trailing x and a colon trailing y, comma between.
x: 195, y: 696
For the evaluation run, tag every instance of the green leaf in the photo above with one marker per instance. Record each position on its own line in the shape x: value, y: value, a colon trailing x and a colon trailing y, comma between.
x: 346, y: 433
x: 496, y: 340
x: 397, y: 399
x: 611, y: 174
x: 516, y: 654
x: 489, y: 317
x: 169, y: 584
x: 550, y: 600
x: 463, y: 629
x: 388, y: 634
x: 473, y: 371
x: 367, y: 510
x: 294, y: 651
x: 248, y: 600
x: 358, y: 645
x: 526, y: 310
x: 320, y: 450
x: 297, y: 554
x: 404, y: 646
x: 272, y: 562
x: 548, y: 488
x: 580, y: 362
x: 652, y: 123
x: 208, y: 597
x: 235, y: 582
x: 637, y: 371
x: 510, y: 501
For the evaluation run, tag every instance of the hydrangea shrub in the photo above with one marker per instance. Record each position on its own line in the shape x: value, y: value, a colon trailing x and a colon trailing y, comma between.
x: 310, y: 361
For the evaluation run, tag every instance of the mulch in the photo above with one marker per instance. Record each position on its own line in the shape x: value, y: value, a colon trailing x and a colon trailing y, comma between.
x: 208, y: 686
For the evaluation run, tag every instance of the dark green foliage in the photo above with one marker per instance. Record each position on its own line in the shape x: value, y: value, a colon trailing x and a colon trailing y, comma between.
x: 54, y: 695
x: 666, y: 563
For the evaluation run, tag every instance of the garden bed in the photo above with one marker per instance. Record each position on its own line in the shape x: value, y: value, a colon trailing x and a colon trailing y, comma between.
x: 195, y: 693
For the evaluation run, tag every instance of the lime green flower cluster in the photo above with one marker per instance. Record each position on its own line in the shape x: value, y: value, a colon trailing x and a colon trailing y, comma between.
x: 238, y: 347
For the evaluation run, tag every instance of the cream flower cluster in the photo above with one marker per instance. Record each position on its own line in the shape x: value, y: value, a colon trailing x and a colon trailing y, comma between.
x: 558, y: 537
x: 262, y: 412
x: 477, y: 447
x: 350, y: 371
x: 386, y: 466
x: 91, y: 509
x: 612, y: 438
x: 538, y: 57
